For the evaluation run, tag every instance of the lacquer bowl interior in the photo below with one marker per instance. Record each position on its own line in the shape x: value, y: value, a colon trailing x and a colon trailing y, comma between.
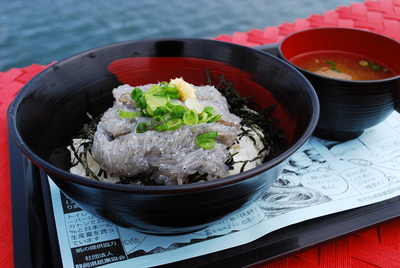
x: 53, y: 106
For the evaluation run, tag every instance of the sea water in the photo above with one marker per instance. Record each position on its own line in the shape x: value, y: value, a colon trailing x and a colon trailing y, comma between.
x: 43, y: 31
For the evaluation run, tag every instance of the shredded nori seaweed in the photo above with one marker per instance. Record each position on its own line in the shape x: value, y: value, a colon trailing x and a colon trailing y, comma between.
x: 253, y: 116
x: 86, y: 134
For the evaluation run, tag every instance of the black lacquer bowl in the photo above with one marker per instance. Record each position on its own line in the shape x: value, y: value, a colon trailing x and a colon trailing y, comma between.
x: 348, y: 107
x: 52, y: 107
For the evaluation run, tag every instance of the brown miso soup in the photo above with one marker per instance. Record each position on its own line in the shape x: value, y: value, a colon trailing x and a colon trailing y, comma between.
x: 342, y: 65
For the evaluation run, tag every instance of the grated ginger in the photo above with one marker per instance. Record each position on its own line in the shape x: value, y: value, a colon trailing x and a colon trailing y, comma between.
x: 185, y: 89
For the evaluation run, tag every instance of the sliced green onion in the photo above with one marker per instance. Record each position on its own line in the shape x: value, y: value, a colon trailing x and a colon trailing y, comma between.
x: 141, y: 102
x: 206, y: 143
x: 136, y: 94
x: 178, y: 111
x: 209, y: 135
x: 209, y: 110
x: 335, y: 69
x: 191, y: 117
x: 154, y: 89
x: 158, y: 123
x: 174, y: 123
x: 375, y: 67
x: 154, y: 101
x: 129, y: 114
x: 164, y: 84
x: 206, y: 140
x: 214, y: 118
x: 159, y: 111
x: 171, y: 89
x: 203, y: 117
x: 174, y: 96
x: 166, y: 114
x: 333, y: 64
x: 173, y: 92
x: 141, y: 127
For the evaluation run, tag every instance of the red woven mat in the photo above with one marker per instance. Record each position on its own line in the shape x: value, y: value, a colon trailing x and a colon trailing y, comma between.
x: 10, y: 83
x: 377, y: 247
x: 382, y: 17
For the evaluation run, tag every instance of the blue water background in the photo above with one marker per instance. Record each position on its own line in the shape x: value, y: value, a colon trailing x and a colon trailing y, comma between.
x: 43, y: 31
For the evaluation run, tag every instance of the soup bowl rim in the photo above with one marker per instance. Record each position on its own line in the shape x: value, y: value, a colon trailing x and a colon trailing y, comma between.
x: 280, y: 54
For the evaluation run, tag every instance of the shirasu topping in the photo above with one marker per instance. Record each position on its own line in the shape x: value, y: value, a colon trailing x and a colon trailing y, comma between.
x: 127, y: 148
x: 166, y: 156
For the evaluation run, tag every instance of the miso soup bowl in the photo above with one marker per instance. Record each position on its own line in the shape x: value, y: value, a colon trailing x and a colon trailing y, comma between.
x: 348, y: 107
x: 51, y: 108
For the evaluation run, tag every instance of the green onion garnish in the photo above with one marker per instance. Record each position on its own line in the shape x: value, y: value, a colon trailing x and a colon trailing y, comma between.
x: 214, y: 118
x: 178, y: 111
x: 129, y: 114
x: 170, y: 115
x: 191, y: 117
x: 136, y: 94
x: 206, y: 140
x: 171, y: 90
x: 153, y: 102
x: 374, y: 66
x: 333, y: 64
x: 174, y: 123
x: 141, y: 127
x: 161, y: 110
x: 158, y: 123
x: 202, y: 118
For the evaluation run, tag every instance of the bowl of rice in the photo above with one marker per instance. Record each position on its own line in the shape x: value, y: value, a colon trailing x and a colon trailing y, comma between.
x: 165, y: 135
